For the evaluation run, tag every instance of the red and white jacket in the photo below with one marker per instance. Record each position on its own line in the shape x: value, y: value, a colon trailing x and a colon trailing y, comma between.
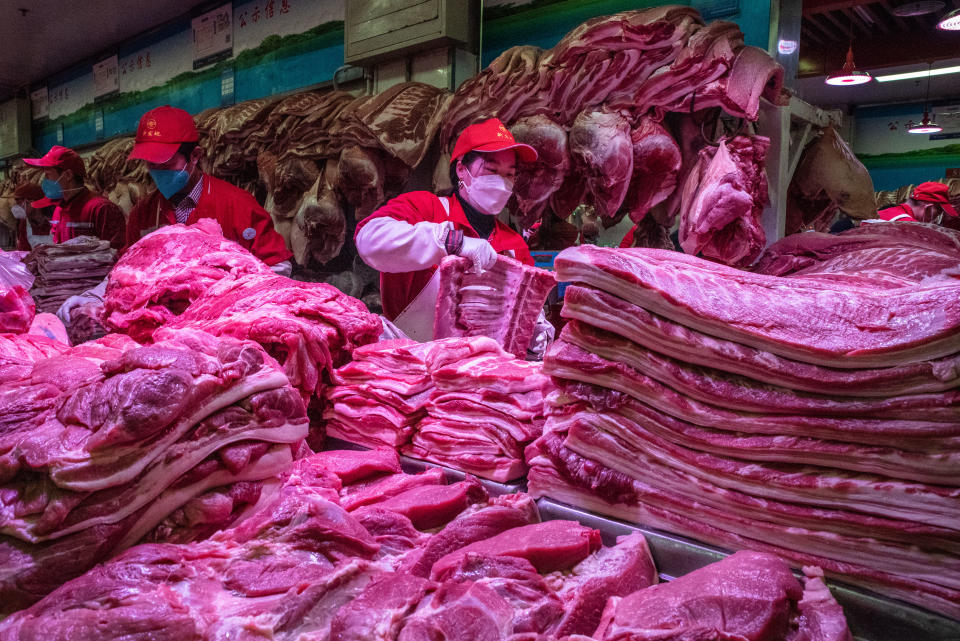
x: 403, y: 240
x: 897, y: 213
x: 241, y: 217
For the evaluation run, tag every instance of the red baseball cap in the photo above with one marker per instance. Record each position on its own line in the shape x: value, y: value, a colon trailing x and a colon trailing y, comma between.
x: 491, y: 135
x: 62, y: 158
x: 160, y: 133
x: 933, y: 192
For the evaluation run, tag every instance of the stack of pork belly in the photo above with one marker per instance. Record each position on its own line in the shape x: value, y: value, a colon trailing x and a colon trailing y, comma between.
x: 813, y: 415
x: 379, y: 397
x: 462, y: 402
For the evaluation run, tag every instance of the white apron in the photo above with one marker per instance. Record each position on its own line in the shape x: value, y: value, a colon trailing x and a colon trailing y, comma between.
x: 416, y: 319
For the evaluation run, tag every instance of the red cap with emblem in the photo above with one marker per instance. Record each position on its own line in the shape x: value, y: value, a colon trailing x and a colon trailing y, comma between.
x: 490, y: 135
x: 934, y: 192
x: 61, y: 158
x: 160, y: 133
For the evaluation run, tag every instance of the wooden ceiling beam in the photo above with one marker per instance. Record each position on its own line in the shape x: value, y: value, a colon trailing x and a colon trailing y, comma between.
x: 839, y: 23
x: 808, y: 35
x: 829, y: 27
x: 811, y: 7
x: 897, y: 20
x: 871, y: 18
x: 862, y: 25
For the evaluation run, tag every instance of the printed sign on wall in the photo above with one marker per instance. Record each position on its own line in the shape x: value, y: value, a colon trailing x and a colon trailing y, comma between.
x: 256, y: 20
x: 213, y: 36
x: 39, y: 106
x: 105, y: 78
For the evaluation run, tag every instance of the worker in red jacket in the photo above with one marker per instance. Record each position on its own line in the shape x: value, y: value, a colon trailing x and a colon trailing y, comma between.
x: 167, y: 140
x: 927, y: 204
x: 408, y: 237
x: 79, y: 211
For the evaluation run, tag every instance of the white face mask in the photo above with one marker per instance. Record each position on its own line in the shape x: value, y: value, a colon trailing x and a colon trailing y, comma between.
x: 18, y: 212
x: 489, y: 194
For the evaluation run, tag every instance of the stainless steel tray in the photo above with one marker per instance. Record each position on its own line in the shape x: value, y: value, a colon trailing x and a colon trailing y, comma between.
x: 414, y: 466
x: 871, y: 616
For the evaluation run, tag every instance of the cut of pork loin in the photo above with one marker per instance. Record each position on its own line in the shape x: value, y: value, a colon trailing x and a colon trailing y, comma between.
x: 430, y: 506
x: 600, y: 309
x: 503, y: 302
x: 381, y: 609
x: 469, y: 528
x: 381, y: 489
x: 609, y: 572
x: 351, y: 466
x: 460, y: 611
x: 535, y: 604
x: 748, y: 595
x: 549, y: 546
x: 850, y: 328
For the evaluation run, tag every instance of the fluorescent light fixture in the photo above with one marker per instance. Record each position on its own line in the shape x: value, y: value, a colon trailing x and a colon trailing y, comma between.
x: 910, y: 75
x: 786, y: 47
x: 951, y: 21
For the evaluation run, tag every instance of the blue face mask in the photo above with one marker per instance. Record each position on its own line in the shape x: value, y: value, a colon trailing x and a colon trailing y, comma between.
x: 51, y: 189
x: 170, y: 181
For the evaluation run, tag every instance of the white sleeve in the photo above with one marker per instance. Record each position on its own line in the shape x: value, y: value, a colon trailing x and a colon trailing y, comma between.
x: 394, y: 246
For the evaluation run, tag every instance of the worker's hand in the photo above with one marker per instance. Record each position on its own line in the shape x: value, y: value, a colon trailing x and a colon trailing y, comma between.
x: 543, y: 334
x: 480, y: 252
x: 283, y: 268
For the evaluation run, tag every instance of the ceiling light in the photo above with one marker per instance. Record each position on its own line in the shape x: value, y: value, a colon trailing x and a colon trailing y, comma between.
x: 926, y: 126
x: 943, y: 71
x: 908, y: 9
x: 951, y: 21
x: 849, y: 75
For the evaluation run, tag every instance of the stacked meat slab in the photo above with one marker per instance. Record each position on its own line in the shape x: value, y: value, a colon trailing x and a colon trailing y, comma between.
x: 103, y: 441
x: 461, y: 402
x: 813, y: 416
x: 346, y: 547
x: 68, y: 269
x: 190, y: 277
x: 502, y: 302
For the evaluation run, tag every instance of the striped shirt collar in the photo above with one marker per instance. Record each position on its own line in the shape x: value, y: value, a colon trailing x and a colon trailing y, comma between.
x: 186, y: 206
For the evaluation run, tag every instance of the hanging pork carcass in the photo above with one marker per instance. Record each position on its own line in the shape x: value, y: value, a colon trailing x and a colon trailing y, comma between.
x: 828, y: 179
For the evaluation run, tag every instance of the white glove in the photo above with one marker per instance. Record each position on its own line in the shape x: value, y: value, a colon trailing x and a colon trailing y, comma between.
x: 94, y: 295
x: 283, y: 268
x: 543, y: 334
x: 480, y: 252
